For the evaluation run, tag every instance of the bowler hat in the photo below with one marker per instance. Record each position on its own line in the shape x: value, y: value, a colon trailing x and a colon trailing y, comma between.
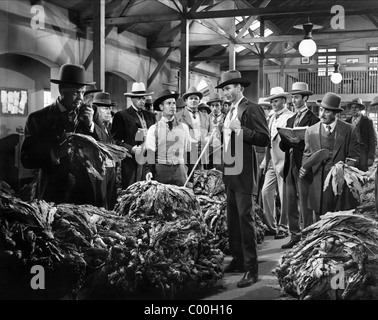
x: 164, y: 95
x: 204, y: 106
x: 232, y: 77
x: 374, y: 102
x: 138, y: 89
x: 192, y: 91
x: 277, y: 92
x: 358, y: 102
x: 300, y: 88
x: 180, y: 103
x: 91, y: 89
x: 331, y: 101
x: 214, y: 97
x: 72, y: 74
x: 102, y: 99
x: 263, y: 102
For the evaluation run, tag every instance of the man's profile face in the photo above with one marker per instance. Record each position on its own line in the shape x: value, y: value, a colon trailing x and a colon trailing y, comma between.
x: 326, y: 116
x: 139, y: 102
x: 298, y: 100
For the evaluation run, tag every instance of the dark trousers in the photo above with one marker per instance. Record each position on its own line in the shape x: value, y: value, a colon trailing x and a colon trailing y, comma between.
x: 242, y: 229
x: 171, y: 174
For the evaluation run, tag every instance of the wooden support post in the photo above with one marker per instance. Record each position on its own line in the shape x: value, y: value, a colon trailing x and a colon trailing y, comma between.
x: 99, y: 43
x: 184, y: 48
x: 261, y: 60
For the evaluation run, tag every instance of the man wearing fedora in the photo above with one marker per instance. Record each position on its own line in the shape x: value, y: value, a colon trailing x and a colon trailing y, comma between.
x: 273, y: 164
x: 297, y: 188
x: 59, y: 181
x: 244, y: 127
x: 365, y: 132
x: 216, y: 118
x: 129, y: 130
x: 339, y: 138
x: 167, y: 143
x: 199, y: 127
x: 107, y: 187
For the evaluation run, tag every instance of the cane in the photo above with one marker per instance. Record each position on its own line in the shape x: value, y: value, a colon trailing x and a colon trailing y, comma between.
x: 202, y: 153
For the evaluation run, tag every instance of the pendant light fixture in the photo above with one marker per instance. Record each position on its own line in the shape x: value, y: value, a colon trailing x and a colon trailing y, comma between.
x: 336, y: 76
x: 307, y: 47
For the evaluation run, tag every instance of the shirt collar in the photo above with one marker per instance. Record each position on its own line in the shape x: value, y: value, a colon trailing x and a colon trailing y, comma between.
x: 303, y: 109
x: 278, y: 113
x: 164, y: 119
x: 333, y: 125
x: 135, y: 108
x: 61, y: 107
x: 236, y: 104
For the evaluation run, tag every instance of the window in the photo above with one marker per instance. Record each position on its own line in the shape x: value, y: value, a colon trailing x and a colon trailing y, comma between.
x: 327, y: 60
x: 373, y: 58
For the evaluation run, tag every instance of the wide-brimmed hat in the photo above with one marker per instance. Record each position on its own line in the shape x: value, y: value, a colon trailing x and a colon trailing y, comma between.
x: 300, y: 88
x: 214, y: 97
x: 138, y: 89
x: 374, y: 102
x: 263, y: 102
x: 358, y: 102
x: 72, y: 74
x: 91, y: 89
x: 232, y: 77
x: 164, y: 95
x: 277, y: 92
x: 204, y: 106
x: 192, y: 91
x: 180, y: 103
x: 102, y: 99
x: 331, y: 101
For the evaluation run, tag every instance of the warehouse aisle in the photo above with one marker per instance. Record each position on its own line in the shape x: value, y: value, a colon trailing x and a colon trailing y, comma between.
x: 267, y: 287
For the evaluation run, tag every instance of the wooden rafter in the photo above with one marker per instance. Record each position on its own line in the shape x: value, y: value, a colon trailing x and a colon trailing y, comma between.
x: 196, y: 5
x: 160, y: 65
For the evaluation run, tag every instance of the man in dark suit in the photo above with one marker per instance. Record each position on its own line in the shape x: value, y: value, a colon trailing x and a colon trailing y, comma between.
x: 59, y: 180
x: 297, y: 188
x: 244, y: 127
x: 365, y: 132
x: 339, y: 138
x: 129, y: 129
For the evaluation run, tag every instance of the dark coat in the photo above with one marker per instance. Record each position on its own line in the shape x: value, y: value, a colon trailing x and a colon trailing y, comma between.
x: 345, y: 145
x: 366, y: 139
x: 308, y: 119
x: 124, y: 132
x: 45, y: 129
x: 241, y: 172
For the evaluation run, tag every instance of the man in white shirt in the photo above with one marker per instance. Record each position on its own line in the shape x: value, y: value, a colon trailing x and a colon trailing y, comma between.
x: 167, y: 143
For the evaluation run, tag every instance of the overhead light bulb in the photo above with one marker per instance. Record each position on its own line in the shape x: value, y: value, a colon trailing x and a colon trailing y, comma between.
x: 307, y: 47
x: 336, y: 76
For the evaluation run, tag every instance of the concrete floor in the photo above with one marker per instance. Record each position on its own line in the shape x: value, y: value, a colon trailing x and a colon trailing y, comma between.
x: 266, y: 288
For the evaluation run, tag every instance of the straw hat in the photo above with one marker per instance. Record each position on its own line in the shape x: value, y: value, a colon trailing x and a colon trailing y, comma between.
x: 72, y: 74
x: 331, y: 101
x: 138, y: 89
x: 263, y: 102
x: 232, y: 77
x: 374, y: 102
x: 164, y: 95
x: 192, y: 91
x: 300, y: 88
x: 277, y: 92
x: 358, y: 102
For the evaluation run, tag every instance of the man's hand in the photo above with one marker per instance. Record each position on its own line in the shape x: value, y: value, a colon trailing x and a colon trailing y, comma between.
x: 235, y: 124
x: 136, y: 150
x: 263, y: 168
x: 86, y: 115
x: 302, y: 172
x: 149, y: 176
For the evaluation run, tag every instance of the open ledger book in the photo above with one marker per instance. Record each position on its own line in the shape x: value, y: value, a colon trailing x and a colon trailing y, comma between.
x: 292, y: 132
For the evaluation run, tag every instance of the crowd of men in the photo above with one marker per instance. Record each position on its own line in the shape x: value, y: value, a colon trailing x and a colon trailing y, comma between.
x: 170, y: 136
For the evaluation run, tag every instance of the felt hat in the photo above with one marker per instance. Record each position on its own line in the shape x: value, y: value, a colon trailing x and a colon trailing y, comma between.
x: 192, y: 91
x: 149, y: 100
x: 300, y: 88
x: 91, y: 89
x: 164, y: 95
x: 72, y: 74
x: 214, y: 97
x: 331, y: 101
x: 204, y: 106
x: 374, y: 102
x: 180, y: 103
x: 232, y: 77
x: 138, y: 89
x: 102, y: 99
x: 263, y: 102
x: 358, y: 102
x: 277, y: 92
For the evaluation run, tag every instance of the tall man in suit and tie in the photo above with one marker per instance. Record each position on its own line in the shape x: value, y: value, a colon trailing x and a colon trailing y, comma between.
x: 365, y: 132
x: 129, y: 129
x: 297, y: 188
x: 59, y: 179
x: 244, y: 127
x: 273, y: 164
x: 339, y: 138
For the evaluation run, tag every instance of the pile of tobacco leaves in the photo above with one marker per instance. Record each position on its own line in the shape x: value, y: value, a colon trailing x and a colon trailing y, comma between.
x: 337, y: 260
x: 89, y: 252
x: 210, y: 190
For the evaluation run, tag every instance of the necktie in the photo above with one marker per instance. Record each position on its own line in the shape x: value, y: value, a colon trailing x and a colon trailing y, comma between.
x: 215, y: 121
x: 70, y: 117
x: 297, y: 118
x: 194, y: 113
x: 328, y: 130
x: 232, y: 112
x: 170, y: 124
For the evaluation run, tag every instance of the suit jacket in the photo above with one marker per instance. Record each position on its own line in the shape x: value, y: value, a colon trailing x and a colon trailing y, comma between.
x: 206, y: 124
x: 308, y: 119
x: 45, y: 129
x: 345, y: 145
x: 367, y: 140
x: 273, y: 152
x: 240, y: 171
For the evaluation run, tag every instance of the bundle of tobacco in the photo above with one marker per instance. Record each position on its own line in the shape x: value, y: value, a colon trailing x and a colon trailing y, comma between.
x: 92, y: 154
x: 209, y: 183
x: 336, y: 260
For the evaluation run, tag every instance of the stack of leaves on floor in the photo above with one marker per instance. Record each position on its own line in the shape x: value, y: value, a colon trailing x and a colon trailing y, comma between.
x: 210, y: 189
x: 337, y: 258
